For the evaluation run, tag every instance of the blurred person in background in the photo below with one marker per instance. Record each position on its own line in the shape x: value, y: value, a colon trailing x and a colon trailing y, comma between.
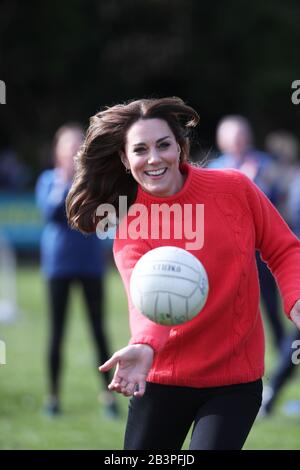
x: 285, y: 147
x: 14, y: 174
x: 8, y: 291
x: 235, y: 140
x: 293, y: 201
x: 68, y: 257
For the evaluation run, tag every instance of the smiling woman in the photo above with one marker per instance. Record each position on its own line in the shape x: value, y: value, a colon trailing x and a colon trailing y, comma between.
x: 206, y: 372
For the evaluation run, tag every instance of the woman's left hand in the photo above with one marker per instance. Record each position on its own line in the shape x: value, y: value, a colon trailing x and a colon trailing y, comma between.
x: 295, y: 314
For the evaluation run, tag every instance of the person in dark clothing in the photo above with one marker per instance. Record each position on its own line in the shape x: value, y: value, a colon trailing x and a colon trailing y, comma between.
x: 283, y: 373
x: 68, y: 257
x: 286, y: 367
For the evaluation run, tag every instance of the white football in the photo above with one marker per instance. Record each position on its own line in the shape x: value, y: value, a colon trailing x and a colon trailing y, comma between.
x: 169, y: 285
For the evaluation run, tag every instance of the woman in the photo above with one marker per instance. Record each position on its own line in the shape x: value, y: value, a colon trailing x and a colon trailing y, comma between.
x: 69, y: 258
x: 207, y: 371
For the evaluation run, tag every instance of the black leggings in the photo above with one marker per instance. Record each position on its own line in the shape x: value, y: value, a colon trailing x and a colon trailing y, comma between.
x: 222, y: 417
x: 59, y: 289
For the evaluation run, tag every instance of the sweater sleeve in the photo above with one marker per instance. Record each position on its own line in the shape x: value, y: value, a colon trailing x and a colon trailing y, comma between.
x: 144, y: 331
x: 278, y: 246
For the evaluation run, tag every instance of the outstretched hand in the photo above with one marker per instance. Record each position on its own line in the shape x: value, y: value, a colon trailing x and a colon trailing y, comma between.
x: 133, y: 364
x: 295, y: 314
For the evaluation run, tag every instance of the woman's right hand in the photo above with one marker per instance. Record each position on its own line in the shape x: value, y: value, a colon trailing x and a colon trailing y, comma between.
x: 133, y: 364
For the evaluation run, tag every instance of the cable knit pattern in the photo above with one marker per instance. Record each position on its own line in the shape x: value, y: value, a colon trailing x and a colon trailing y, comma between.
x: 237, y: 220
x: 224, y: 343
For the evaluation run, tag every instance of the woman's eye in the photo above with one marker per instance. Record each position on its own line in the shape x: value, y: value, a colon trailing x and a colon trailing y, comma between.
x: 164, y: 145
x: 139, y: 150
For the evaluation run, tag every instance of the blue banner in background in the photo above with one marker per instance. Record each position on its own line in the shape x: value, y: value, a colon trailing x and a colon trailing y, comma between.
x: 20, y: 220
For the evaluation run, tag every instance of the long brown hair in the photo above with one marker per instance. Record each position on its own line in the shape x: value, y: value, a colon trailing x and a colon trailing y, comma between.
x: 100, y: 176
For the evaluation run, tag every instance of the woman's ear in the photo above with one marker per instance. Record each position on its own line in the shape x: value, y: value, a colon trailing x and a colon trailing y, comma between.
x: 124, y: 159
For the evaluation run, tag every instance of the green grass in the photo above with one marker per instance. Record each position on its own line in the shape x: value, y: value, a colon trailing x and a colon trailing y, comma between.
x: 83, y: 425
x: 23, y: 379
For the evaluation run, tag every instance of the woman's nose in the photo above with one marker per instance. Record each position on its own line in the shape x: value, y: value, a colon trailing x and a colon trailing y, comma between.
x: 153, y: 156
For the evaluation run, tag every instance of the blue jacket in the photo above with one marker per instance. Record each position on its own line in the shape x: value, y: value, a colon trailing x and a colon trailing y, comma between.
x: 64, y: 252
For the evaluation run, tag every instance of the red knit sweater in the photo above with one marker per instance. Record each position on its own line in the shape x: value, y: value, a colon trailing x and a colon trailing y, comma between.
x: 224, y: 344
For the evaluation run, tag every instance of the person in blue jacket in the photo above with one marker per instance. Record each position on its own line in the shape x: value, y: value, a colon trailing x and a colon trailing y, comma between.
x: 68, y: 257
x: 286, y: 368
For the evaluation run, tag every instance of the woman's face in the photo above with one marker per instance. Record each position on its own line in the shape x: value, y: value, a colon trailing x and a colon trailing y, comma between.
x: 152, y: 154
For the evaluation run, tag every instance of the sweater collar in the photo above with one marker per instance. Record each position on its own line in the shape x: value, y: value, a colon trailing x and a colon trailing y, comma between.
x: 186, y: 189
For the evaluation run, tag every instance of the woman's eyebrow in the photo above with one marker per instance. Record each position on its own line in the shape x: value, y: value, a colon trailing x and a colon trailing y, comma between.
x: 158, y: 140
x: 162, y: 138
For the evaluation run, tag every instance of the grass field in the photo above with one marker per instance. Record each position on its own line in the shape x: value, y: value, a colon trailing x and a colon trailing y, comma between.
x: 83, y: 425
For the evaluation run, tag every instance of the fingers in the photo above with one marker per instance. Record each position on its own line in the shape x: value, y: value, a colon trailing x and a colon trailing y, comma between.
x: 132, y: 389
x: 128, y: 389
x: 118, y: 385
x: 114, y: 387
x: 109, y: 364
x: 124, y: 387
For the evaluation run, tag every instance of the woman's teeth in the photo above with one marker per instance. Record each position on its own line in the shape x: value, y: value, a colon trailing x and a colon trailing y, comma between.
x: 159, y: 172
